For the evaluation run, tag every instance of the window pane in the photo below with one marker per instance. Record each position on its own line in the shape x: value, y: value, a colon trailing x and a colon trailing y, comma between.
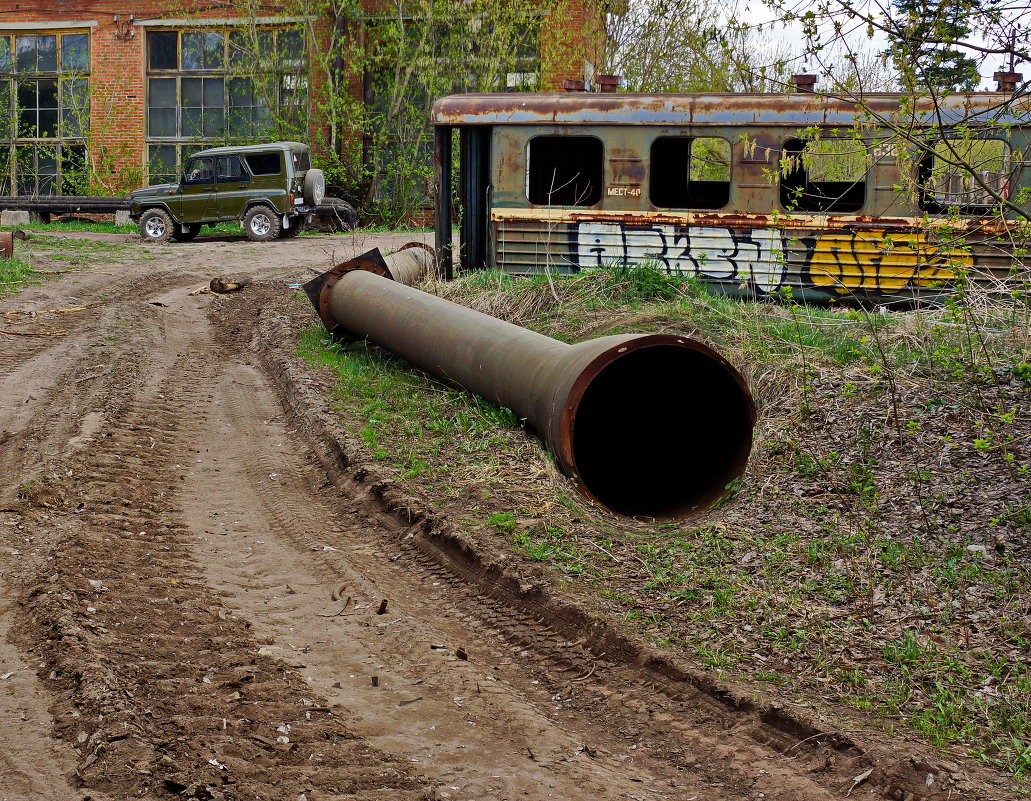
x: 75, y: 52
x: 214, y: 92
x: 193, y: 51
x: 46, y: 161
x: 5, y: 108
x: 162, y: 92
x: 46, y: 51
x: 240, y: 122
x: 213, y: 121
x: 164, y: 47
x: 251, y: 50
x: 192, y: 122
x: 161, y: 163
x: 192, y: 91
x: 162, y: 122
x: 27, y: 95
x: 240, y: 92
x: 47, y: 90
x: 201, y: 171
x: 230, y: 169
x: 74, y: 106
x: 48, y: 122
x: 291, y: 49
x: 74, y: 176
x: 214, y: 53
x: 25, y: 53
x: 5, y: 54
x: 27, y: 122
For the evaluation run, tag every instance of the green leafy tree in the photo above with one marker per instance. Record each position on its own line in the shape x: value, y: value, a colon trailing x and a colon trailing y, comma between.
x: 926, y: 33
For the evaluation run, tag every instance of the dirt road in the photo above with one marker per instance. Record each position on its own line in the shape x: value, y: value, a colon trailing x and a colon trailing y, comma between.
x: 201, y: 598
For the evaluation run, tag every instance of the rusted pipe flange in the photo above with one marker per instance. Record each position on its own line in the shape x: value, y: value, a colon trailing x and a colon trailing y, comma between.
x: 322, y: 287
x: 422, y: 245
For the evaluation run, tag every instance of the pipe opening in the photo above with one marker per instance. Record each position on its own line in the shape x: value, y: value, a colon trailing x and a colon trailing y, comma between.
x: 661, y: 430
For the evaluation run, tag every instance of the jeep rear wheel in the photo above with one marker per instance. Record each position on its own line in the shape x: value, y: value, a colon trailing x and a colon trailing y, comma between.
x: 296, y: 226
x: 261, y: 224
x: 156, y: 225
x: 179, y: 235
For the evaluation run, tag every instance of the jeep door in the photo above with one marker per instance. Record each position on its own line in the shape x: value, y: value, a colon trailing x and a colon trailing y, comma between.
x: 233, y: 184
x: 197, y: 191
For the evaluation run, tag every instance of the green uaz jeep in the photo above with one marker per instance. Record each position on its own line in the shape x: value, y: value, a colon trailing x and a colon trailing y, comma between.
x: 271, y: 189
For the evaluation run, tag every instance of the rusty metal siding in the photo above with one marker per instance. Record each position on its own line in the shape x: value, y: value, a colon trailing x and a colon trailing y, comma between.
x: 818, y: 264
x: 792, y: 110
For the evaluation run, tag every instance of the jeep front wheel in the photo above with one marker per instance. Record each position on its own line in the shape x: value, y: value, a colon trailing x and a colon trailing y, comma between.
x: 261, y: 224
x: 156, y: 225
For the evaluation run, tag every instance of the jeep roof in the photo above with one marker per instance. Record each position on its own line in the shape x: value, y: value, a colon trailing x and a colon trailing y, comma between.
x: 218, y: 151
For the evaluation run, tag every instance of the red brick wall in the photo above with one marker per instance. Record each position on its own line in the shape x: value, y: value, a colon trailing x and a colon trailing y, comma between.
x: 572, y: 32
x: 118, y: 72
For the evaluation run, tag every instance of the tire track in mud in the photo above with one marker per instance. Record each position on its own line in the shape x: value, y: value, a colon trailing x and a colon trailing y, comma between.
x: 161, y: 689
x: 459, y: 719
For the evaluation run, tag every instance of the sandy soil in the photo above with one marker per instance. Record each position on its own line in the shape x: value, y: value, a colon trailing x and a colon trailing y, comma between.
x: 201, y: 597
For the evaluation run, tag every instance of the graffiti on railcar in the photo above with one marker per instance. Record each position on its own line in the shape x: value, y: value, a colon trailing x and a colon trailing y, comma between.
x: 754, y: 256
x: 760, y: 258
x: 877, y: 262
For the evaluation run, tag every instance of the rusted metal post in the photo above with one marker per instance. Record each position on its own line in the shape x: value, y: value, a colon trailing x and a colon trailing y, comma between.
x: 806, y: 84
x: 1007, y: 81
x: 442, y: 199
x: 651, y: 425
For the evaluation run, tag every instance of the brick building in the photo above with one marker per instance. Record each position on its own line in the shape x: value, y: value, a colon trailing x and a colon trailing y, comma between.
x: 103, y: 96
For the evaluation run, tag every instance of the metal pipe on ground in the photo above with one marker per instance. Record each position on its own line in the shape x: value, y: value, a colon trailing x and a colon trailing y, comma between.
x: 645, y: 425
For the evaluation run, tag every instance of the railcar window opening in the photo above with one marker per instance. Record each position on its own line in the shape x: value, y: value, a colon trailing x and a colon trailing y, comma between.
x: 690, y: 172
x: 964, y: 174
x: 823, y: 175
x: 565, y: 170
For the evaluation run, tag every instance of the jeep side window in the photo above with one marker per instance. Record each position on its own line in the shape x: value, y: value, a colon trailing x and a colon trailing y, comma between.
x: 230, y: 168
x: 265, y: 163
x: 200, y: 171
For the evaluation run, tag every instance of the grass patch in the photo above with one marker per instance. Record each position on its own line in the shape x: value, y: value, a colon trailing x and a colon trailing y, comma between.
x: 73, y: 225
x: 16, y: 274
x: 409, y: 421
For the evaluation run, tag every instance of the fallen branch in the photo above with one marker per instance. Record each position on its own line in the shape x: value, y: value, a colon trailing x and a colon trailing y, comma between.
x: 33, y: 333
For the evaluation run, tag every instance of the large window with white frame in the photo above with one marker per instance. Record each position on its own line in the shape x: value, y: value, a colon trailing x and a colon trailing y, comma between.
x: 44, y: 111
x: 207, y: 86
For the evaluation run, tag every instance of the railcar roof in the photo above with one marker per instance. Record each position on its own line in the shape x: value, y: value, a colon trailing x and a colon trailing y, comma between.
x: 798, y: 109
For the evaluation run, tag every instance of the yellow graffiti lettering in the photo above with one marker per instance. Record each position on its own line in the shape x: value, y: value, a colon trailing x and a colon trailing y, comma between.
x: 873, y: 261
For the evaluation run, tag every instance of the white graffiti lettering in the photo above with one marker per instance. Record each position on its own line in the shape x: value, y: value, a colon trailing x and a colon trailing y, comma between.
x: 754, y: 256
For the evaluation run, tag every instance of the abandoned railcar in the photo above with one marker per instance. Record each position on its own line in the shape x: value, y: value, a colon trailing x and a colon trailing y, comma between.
x: 754, y: 194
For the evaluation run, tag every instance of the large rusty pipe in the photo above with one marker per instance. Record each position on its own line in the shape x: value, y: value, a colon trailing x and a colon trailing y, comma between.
x: 654, y: 425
